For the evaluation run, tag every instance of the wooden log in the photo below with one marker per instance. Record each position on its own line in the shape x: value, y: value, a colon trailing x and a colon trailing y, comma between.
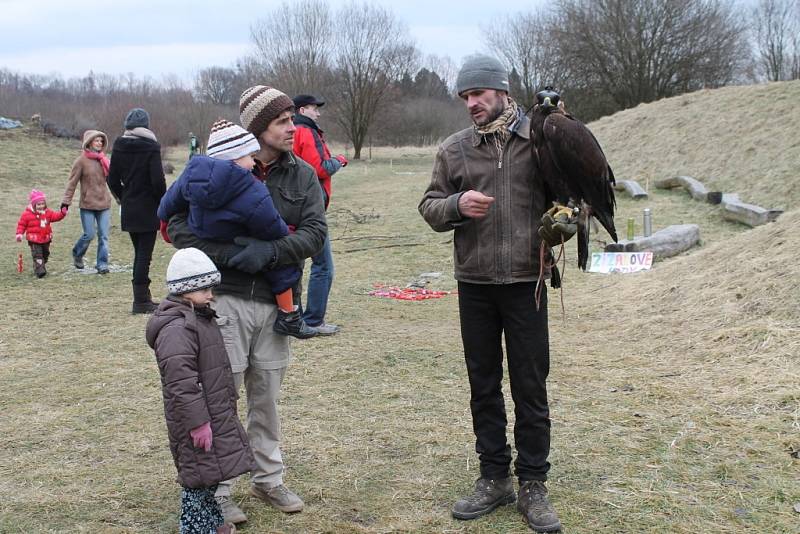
x: 634, y: 190
x: 669, y: 241
x: 695, y: 187
x: 734, y: 209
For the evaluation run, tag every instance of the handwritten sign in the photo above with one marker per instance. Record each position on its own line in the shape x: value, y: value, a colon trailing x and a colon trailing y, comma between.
x: 620, y: 262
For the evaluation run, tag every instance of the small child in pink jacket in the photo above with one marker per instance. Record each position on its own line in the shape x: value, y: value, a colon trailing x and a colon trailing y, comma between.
x: 34, y: 225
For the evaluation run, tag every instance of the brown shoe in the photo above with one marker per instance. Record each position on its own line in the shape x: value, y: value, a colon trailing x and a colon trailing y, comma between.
x: 230, y: 512
x: 488, y: 495
x: 535, y: 507
x: 279, y: 496
x: 227, y: 528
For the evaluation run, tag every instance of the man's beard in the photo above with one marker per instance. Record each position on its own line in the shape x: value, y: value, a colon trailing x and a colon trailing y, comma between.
x: 493, y: 113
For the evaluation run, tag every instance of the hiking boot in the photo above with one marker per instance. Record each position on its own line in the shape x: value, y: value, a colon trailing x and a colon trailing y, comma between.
x: 488, y: 495
x: 227, y: 528
x: 77, y: 262
x: 326, y: 329
x: 280, y: 497
x: 230, y: 512
x: 535, y: 507
x: 292, y: 324
x: 102, y: 270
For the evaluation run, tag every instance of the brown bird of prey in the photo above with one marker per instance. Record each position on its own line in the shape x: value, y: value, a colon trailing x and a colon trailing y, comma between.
x: 573, y: 166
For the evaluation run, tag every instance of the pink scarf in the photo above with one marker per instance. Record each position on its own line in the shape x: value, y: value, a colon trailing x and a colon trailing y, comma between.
x: 99, y: 156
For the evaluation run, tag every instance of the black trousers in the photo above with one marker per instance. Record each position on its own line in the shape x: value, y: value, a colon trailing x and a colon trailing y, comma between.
x: 143, y: 245
x: 487, y: 313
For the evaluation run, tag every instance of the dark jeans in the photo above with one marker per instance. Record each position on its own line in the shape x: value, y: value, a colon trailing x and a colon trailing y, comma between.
x: 487, y: 313
x: 143, y: 245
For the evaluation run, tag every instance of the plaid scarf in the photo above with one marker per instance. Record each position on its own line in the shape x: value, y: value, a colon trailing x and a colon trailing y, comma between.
x: 500, y: 129
x: 502, y: 124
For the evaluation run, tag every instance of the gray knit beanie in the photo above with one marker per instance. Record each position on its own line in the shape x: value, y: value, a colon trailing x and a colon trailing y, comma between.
x: 482, y: 72
x: 137, y: 117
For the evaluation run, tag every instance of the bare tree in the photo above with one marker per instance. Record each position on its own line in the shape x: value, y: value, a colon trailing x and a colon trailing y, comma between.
x: 525, y: 45
x: 216, y: 85
x: 294, y: 45
x: 373, y: 50
x: 640, y: 50
x: 775, y: 27
x: 445, y: 67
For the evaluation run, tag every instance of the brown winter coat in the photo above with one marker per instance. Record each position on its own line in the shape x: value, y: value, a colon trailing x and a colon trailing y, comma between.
x: 197, y: 385
x: 89, y: 174
x: 503, y: 247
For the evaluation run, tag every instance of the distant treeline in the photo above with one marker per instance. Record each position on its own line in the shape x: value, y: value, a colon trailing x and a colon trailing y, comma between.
x: 602, y: 55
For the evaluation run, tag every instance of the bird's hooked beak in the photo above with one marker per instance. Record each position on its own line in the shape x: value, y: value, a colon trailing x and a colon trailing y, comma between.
x: 547, y: 104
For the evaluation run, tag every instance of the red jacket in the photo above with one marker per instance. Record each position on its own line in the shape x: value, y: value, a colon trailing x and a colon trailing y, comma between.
x: 310, y: 146
x: 36, y: 226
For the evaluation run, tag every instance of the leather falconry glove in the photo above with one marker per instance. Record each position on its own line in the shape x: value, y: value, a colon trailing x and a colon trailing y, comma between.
x: 559, y: 224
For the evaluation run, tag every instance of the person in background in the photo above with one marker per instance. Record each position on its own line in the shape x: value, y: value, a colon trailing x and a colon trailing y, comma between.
x: 206, y: 438
x: 34, y: 225
x: 485, y: 187
x: 136, y: 178
x: 194, y: 146
x: 90, y: 170
x: 309, y: 145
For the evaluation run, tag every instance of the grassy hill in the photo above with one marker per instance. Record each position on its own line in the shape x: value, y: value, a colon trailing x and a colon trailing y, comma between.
x: 674, y: 395
x: 734, y: 139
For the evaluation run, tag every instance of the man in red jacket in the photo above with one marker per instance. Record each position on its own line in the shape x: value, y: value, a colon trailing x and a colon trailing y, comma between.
x: 310, y: 145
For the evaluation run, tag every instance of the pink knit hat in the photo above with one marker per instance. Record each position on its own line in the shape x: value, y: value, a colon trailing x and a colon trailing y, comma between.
x: 36, y: 196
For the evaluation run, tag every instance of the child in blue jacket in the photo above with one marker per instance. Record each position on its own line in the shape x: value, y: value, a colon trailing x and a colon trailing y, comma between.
x: 224, y: 200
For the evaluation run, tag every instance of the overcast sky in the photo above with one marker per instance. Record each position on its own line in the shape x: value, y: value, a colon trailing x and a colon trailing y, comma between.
x: 158, y: 37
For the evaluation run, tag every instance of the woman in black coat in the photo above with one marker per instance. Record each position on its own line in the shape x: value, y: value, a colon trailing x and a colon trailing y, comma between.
x: 136, y: 177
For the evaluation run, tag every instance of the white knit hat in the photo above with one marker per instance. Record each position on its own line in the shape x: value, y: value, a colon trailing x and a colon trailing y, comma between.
x: 230, y: 141
x: 191, y: 270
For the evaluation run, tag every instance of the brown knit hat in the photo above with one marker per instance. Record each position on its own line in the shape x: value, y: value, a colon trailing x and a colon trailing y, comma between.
x: 259, y: 105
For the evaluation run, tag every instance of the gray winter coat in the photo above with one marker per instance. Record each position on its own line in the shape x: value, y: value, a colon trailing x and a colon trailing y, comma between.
x: 197, y: 385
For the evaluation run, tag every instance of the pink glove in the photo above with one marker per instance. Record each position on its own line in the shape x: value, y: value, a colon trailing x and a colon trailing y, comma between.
x: 64, y: 211
x: 19, y: 237
x: 201, y: 436
x: 342, y: 160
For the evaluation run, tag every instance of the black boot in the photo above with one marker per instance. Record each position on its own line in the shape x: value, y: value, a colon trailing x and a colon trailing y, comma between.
x: 488, y: 495
x: 535, y: 507
x: 292, y: 324
x: 142, y: 300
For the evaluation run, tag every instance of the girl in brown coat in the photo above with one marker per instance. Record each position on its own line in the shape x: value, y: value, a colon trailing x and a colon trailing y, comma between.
x: 90, y: 170
x: 207, y: 441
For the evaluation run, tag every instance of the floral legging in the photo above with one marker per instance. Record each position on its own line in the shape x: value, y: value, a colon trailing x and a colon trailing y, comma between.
x: 200, y: 512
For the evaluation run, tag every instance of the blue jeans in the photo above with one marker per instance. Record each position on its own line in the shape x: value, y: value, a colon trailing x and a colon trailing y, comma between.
x: 319, y: 285
x: 90, y: 218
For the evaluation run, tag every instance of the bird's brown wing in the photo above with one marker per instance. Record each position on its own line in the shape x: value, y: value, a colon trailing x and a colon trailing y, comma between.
x: 582, y: 165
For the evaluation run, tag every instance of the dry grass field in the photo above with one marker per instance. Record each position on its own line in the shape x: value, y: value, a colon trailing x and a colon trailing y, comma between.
x: 675, y: 393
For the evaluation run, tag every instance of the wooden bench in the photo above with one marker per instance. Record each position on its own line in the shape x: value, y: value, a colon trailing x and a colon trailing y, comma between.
x: 634, y: 190
x: 693, y: 186
x: 734, y: 209
x: 669, y: 241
